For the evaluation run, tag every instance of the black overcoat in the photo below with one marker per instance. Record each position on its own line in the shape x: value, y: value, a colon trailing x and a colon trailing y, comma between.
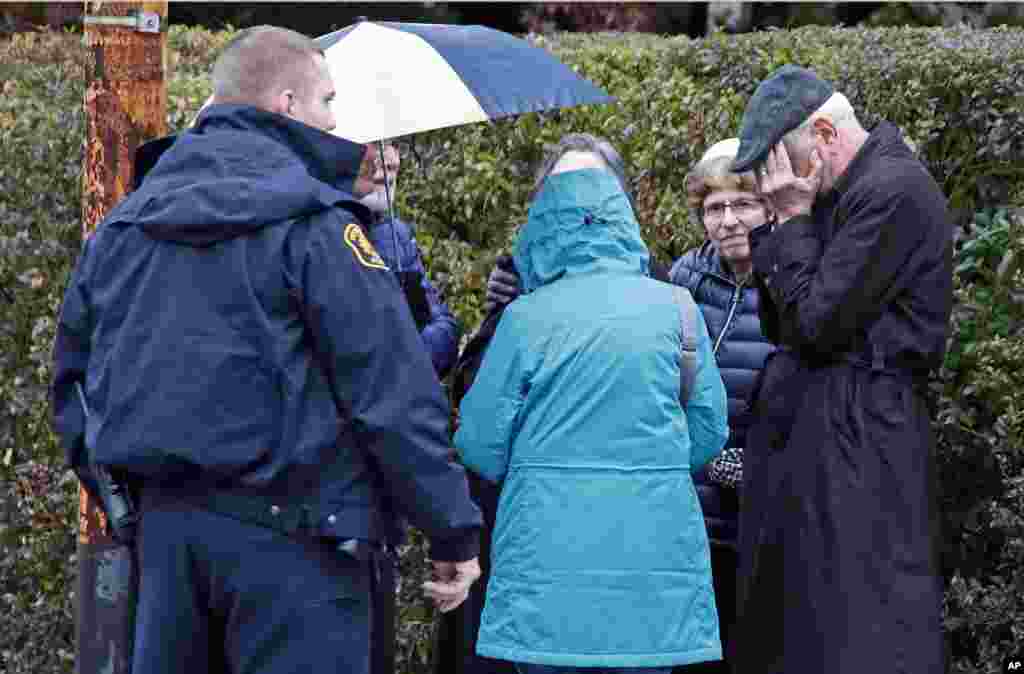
x: 838, y: 565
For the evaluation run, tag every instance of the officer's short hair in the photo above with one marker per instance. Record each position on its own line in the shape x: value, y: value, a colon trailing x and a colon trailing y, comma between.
x: 585, y: 142
x: 262, y: 61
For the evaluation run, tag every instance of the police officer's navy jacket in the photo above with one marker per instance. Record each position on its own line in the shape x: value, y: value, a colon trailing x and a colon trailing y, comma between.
x: 220, y: 311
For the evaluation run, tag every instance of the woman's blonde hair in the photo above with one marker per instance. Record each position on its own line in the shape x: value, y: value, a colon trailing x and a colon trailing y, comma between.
x: 714, y: 172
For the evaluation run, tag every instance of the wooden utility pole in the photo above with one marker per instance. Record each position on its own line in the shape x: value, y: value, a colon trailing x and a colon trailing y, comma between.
x: 125, y: 105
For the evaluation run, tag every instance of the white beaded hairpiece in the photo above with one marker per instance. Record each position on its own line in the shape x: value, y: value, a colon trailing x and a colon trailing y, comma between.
x: 723, y: 148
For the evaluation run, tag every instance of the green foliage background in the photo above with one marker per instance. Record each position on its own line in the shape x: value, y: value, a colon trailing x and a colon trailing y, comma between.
x: 954, y: 92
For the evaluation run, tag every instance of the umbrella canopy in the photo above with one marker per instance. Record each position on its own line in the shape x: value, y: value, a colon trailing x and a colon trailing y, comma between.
x: 404, y: 78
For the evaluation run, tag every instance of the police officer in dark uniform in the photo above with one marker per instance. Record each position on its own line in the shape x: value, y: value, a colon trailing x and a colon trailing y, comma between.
x: 251, y: 366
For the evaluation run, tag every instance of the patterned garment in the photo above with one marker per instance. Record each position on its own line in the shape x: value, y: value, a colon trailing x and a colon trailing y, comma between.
x: 727, y: 468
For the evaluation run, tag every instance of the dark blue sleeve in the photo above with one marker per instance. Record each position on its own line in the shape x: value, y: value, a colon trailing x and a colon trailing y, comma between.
x: 441, y: 334
x: 379, y: 369
x: 71, y: 349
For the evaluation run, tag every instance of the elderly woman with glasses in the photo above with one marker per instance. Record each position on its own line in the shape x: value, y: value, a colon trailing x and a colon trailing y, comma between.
x: 718, y: 275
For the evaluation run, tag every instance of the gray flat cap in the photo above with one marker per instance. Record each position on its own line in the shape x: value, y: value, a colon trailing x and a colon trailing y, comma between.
x: 782, y: 102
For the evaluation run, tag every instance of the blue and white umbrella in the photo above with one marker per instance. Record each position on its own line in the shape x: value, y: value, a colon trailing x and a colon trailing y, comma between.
x: 405, y: 78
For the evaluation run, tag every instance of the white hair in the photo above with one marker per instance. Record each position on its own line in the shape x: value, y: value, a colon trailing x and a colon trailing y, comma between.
x: 836, y: 109
x: 574, y: 160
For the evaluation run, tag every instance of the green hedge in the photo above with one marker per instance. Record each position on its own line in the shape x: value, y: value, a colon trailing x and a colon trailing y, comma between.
x: 954, y: 92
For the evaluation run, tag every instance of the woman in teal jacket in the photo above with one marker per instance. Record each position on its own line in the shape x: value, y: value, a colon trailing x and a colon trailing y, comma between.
x: 600, y: 557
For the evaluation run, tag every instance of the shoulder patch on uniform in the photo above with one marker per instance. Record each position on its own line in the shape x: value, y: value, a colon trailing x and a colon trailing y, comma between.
x: 357, y: 240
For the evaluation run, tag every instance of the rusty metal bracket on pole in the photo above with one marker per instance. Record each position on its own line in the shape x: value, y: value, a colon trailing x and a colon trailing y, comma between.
x: 144, y: 22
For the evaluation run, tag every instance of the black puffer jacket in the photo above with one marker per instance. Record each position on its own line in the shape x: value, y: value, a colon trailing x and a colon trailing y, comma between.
x: 730, y: 310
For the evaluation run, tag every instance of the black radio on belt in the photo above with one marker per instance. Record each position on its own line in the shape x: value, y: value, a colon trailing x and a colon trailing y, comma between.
x: 117, y: 502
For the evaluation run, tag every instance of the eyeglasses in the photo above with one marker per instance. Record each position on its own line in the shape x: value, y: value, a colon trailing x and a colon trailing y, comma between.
x: 741, y: 208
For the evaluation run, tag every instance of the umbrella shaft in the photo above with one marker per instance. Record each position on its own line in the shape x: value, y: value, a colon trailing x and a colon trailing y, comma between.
x: 391, y: 209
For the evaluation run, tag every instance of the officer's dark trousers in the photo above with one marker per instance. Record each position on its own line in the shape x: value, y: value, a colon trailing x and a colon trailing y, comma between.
x: 219, y: 596
x: 382, y: 636
x: 456, y: 632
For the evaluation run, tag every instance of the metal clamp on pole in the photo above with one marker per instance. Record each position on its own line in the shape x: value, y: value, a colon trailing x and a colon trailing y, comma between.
x: 144, y: 22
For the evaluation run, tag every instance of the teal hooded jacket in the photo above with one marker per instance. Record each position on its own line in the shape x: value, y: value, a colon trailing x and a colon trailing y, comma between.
x: 600, y: 556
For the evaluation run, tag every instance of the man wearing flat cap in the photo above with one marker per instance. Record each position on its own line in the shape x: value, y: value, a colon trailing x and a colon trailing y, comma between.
x: 838, y: 565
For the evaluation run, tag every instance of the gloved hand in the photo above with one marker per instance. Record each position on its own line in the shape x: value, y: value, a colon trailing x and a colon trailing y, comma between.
x: 502, y: 288
x: 452, y: 582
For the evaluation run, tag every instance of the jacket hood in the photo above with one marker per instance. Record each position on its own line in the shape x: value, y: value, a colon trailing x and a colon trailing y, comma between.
x: 239, y: 169
x: 580, y: 222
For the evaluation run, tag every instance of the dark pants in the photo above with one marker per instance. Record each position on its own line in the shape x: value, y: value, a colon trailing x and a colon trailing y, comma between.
x: 382, y: 632
x: 455, y: 639
x: 526, y: 668
x: 218, y: 595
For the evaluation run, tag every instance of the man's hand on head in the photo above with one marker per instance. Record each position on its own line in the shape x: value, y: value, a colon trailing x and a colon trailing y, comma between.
x: 790, y: 194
